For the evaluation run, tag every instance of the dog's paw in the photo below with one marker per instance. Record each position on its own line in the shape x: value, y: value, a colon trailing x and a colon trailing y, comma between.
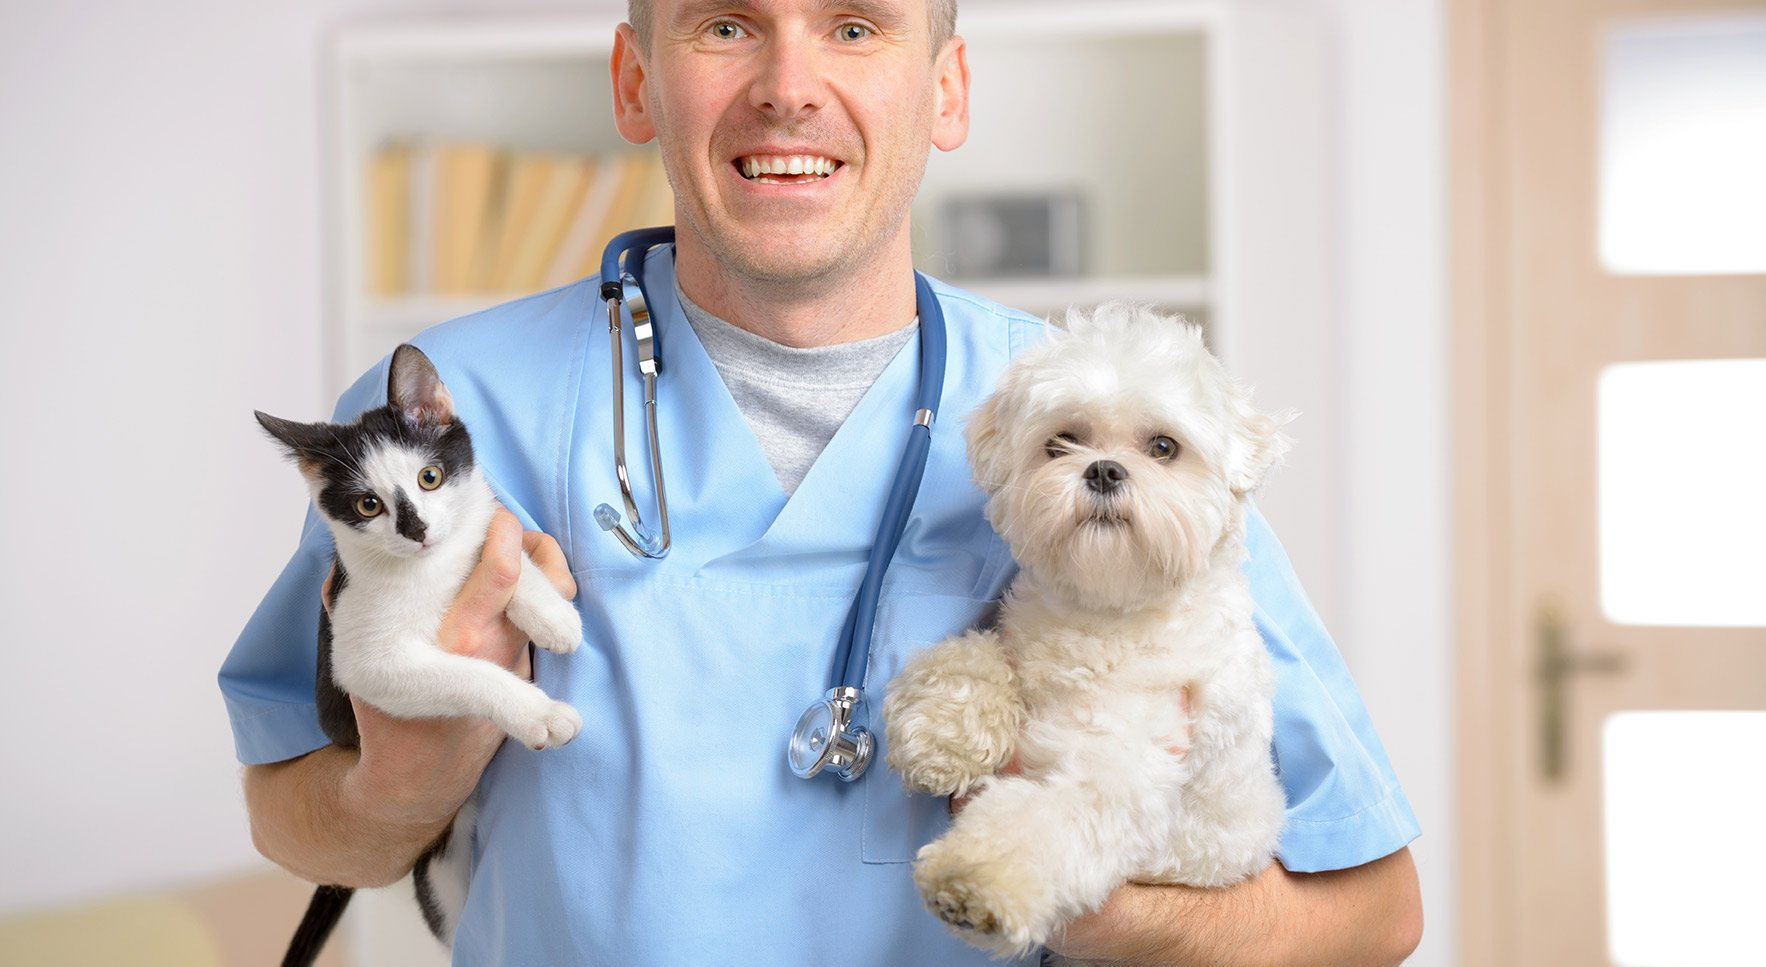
x: 551, y: 622
x: 952, y: 716
x: 981, y: 898
x: 934, y: 771
x: 547, y: 726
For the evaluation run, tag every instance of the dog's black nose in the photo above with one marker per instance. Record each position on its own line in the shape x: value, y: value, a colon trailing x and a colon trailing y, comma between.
x: 1105, y: 476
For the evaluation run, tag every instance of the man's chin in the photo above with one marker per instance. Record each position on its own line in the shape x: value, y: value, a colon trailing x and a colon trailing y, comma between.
x: 785, y: 255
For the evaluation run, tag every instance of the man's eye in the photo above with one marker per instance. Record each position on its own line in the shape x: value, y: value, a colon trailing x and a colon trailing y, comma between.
x: 727, y: 30
x: 852, y: 32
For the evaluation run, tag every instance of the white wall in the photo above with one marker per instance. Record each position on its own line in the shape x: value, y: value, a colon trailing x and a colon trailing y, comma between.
x: 159, y: 279
x: 160, y: 268
x: 1392, y: 616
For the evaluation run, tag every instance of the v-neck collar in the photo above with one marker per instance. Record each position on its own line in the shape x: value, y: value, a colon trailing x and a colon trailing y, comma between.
x: 725, y: 499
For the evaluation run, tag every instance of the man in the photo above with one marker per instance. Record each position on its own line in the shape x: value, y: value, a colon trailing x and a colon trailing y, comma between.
x: 670, y: 832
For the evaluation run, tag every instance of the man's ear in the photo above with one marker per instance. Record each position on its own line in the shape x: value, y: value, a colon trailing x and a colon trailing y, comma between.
x: 950, y: 126
x: 630, y: 70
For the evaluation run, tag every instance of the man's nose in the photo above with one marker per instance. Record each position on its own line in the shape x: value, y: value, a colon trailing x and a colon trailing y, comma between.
x: 1105, y: 476
x: 789, y: 84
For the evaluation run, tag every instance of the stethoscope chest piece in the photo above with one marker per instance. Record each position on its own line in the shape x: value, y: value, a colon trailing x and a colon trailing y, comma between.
x: 826, y: 738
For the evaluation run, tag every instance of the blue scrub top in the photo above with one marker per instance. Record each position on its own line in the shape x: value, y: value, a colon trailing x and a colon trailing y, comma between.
x: 670, y: 831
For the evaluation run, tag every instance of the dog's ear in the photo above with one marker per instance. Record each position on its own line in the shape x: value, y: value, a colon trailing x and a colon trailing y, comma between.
x: 1257, y: 444
x: 989, y: 456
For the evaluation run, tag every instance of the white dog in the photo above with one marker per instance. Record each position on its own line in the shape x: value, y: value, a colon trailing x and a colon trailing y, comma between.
x: 1125, y: 676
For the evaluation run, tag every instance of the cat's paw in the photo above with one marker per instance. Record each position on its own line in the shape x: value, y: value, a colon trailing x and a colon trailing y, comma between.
x: 551, y: 622
x: 553, y: 724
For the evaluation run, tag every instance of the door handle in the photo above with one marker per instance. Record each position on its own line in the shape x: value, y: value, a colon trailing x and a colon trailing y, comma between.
x: 1555, y: 663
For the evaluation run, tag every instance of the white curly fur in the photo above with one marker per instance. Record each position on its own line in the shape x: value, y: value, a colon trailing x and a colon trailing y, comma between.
x: 1129, y: 606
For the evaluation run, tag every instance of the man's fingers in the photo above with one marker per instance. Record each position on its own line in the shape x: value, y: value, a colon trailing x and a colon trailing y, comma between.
x: 492, y: 583
x: 549, y: 558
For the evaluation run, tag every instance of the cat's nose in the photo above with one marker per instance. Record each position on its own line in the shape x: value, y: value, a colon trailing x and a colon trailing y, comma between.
x: 411, y: 527
x: 1105, y: 476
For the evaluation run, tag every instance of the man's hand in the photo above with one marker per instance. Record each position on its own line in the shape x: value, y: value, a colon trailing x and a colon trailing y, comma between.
x: 361, y: 817
x: 1367, y: 916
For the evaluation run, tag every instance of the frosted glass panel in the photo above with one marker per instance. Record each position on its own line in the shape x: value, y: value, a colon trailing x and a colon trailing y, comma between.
x: 1683, y: 146
x: 1685, y: 842
x: 1683, y: 493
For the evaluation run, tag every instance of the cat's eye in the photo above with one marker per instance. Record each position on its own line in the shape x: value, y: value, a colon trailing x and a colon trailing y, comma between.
x: 369, y: 506
x: 429, y: 478
x: 1060, y: 445
x: 1163, y: 449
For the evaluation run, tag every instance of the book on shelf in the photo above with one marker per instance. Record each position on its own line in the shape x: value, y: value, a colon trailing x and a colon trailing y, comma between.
x: 470, y: 175
x: 389, y: 222
x: 458, y: 218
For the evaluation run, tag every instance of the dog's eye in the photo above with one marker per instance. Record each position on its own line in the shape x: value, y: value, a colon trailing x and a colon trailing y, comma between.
x: 1060, y: 445
x: 1163, y: 449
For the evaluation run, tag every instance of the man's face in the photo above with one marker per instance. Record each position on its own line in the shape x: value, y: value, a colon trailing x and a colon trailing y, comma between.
x: 795, y: 132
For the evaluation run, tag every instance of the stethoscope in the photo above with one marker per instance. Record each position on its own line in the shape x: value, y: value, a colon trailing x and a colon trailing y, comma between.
x: 827, y: 738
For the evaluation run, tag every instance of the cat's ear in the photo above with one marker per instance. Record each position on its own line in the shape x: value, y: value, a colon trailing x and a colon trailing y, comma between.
x: 305, y: 441
x: 414, y: 388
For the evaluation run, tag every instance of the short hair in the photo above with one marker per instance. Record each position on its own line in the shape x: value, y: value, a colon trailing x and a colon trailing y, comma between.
x: 942, y: 16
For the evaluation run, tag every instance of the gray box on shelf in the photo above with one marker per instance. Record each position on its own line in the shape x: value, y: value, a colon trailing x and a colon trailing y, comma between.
x: 1020, y: 235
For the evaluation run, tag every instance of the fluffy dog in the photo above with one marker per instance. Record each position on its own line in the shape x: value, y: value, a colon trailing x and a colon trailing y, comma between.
x: 1125, y: 675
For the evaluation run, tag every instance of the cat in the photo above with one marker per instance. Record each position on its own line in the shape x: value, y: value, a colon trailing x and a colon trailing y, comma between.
x: 408, y: 511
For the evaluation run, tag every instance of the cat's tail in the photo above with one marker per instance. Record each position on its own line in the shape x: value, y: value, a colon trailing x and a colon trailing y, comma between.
x: 315, y: 928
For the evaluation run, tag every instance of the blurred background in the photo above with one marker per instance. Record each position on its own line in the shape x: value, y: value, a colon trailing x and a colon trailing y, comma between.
x: 1506, y: 257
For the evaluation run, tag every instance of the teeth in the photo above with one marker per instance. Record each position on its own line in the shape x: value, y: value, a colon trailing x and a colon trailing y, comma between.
x: 756, y: 166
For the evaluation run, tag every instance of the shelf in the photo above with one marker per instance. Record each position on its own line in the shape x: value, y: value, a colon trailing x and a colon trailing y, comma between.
x: 390, y: 317
x: 1045, y: 296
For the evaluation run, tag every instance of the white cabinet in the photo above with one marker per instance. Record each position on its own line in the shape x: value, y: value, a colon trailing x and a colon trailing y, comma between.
x: 1189, y: 132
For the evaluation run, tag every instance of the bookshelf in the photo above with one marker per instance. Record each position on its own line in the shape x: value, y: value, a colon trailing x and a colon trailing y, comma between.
x: 1183, y: 127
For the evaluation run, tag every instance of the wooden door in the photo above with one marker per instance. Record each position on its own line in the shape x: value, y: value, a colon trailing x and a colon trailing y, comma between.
x: 1538, y: 319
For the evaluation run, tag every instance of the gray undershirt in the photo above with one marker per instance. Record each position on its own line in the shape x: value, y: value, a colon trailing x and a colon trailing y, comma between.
x: 793, y: 399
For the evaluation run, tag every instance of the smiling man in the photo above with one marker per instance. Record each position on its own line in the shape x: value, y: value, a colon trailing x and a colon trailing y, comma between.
x: 795, y: 134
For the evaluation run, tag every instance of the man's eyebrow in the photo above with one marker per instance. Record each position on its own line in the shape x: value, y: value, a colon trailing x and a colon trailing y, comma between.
x: 696, y: 10
x: 877, y: 11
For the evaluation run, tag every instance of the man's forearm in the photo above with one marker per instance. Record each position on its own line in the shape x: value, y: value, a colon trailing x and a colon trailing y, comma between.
x: 312, y: 817
x: 1369, y: 916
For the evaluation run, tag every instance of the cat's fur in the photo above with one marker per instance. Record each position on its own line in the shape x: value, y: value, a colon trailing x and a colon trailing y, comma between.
x: 396, y: 572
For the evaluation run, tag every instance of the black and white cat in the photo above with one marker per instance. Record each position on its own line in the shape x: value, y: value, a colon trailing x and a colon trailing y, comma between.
x: 408, y: 512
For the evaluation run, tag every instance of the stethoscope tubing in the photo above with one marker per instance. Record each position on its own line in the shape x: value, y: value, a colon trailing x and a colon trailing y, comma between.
x: 853, y: 657
x: 849, y: 750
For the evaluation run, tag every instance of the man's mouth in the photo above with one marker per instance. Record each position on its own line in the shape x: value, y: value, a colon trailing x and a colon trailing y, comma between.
x: 786, y: 169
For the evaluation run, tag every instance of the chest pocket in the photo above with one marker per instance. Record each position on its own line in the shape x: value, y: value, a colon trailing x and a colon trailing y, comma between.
x: 897, y: 824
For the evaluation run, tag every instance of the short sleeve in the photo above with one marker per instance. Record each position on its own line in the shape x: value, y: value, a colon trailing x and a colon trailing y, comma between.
x: 267, y: 679
x: 1345, y: 807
